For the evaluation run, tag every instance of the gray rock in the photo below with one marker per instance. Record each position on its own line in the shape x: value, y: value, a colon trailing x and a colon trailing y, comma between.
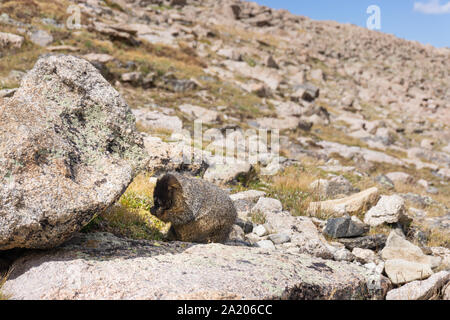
x: 265, y: 244
x: 247, y: 226
x: 389, y: 209
x: 41, y: 38
x: 266, y: 205
x: 271, y: 63
x: 251, y: 195
x: 237, y: 235
x: 446, y: 294
x: 199, y: 113
x: 344, y: 227
x: 399, y: 177
x: 101, y: 266
x: 303, y: 233
x: 343, y: 254
x: 68, y: 150
x: 134, y: 78
x: 280, y: 238
x: 245, y: 201
x: 432, y: 190
x: 226, y: 170
x: 423, y: 201
x: 157, y: 120
x: 333, y: 187
x: 260, y: 231
x: 9, y: 40
x: 7, y: 93
x: 365, y: 255
x: 179, y: 85
x: 374, y: 242
x: 307, y: 92
x: 385, y: 181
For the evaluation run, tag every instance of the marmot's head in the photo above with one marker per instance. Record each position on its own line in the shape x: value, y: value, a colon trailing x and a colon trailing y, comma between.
x: 165, y: 198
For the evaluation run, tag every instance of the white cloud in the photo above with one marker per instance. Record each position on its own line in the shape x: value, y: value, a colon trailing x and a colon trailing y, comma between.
x: 432, y: 7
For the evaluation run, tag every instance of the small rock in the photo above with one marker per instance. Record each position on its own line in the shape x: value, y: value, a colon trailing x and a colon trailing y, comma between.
x: 135, y: 78
x: 343, y: 255
x: 266, y: 244
x: 446, y: 294
x: 402, y: 271
x: 271, y: 63
x: 423, y: 183
x: 397, y: 247
x: 9, y: 40
x: 222, y: 171
x: 266, y: 205
x: 251, y: 195
x: 230, y: 53
x: 389, y: 209
x: 7, y: 93
x: 344, y: 228
x: 237, y: 234
x: 252, y: 238
x: 374, y: 242
x: 247, y: 226
x: 333, y: 187
x: 98, y: 57
x: 157, y: 120
x: 280, y: 238
x: 365, y: 255
x: 260, y: 231
x: 41, y: 38
x: 423, y: 201
x: 199, y: 113
x: 245, y: 201
x: 399, y: 177
x: 349, y: 205
x: 421, y: 290
x: 385, y: 181
x: 317, y: 74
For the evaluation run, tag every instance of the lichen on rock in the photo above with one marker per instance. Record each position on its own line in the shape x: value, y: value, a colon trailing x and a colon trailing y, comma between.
x: 68, y: 148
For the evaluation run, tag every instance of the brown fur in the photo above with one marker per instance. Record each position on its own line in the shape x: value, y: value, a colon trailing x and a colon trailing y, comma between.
x: 198, y: 210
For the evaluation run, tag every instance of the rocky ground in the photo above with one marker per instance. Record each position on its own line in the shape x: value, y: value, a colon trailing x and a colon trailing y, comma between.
x: 356, y: 206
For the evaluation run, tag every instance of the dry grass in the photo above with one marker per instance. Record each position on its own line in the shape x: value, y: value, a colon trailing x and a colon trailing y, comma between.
x: 3, y: 279
x: 131, y: 217
x: 291, y: 187
x: 437, y: 237
x: 328, y: 133
x: 31, y: 11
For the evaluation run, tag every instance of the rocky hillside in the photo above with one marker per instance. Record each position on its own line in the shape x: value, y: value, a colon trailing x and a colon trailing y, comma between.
x: 356, y: 205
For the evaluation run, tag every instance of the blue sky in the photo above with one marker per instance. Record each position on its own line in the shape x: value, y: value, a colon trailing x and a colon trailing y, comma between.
x: 427, y: 21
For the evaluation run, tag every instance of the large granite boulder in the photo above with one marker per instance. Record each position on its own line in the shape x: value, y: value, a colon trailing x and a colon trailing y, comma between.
x: 68, y: 150
x: 102, y: 266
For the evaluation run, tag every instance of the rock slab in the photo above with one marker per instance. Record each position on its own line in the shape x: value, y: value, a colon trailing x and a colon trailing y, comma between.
x: 102, y: 266
x: 68, y: 150
x: 420, y: 290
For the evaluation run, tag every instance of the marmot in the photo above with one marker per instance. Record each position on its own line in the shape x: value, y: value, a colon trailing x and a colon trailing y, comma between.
x: 197, y: 210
